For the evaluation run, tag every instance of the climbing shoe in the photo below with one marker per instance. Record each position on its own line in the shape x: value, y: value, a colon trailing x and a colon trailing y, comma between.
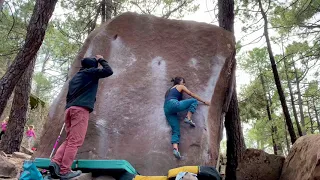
x: 70, y: 175
x: 189, y: 121
x: 54, y: 170
x: 176, y: 153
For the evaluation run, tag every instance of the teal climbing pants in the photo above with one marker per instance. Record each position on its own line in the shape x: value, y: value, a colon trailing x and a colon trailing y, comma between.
x: 171, y: 108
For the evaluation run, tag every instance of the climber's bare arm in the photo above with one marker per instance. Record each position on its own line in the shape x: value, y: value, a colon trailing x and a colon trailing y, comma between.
x: 183, y: 88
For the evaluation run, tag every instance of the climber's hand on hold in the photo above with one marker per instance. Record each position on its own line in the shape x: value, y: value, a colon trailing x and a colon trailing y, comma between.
x: 98, y: 57
x: 207, y: 103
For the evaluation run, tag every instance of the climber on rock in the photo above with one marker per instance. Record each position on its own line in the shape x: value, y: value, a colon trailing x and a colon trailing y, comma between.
x: 80, y: 102
x: 174, y: 104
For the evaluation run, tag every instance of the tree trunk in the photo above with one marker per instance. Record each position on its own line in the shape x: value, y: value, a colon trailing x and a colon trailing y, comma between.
x: 109, y: 9
x: 275, y: 128
x: 286, y: 135
x: 94, y: 22
x: 18, y: 115
x: 116, y: 6
x: 1, y: 4
x: 106, y: 10
x: 292, y: 99
x: 277, y: 78
x: 275, y: 147
x: 316, y: 112
x: 103, y: 11
x: 8, y: 63
x: 226, y: 14
x: 35, y: 34
x: 235, y: 140
x: 43, y: 68
x: 299, y: 100
x: 310, y: 118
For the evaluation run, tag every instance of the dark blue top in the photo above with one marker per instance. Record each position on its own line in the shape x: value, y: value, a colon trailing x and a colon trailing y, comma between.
x: 83, y: 86
x: 174, y: 94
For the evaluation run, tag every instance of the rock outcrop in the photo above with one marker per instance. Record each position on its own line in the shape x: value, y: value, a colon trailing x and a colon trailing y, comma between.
x: 303, y: 161
x: 7, y: 168
x: 128, y: 122
x: 259, y: 165
x: 21, y: 155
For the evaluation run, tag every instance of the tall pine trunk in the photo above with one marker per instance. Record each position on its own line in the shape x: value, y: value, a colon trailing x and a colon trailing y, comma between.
x: 274, y: 126
x: 103, y: 11
x: 235, y: 140
x: 316, y: 113
x: 109, y: 9
x: 286, y: 136
x: 299, y: 100
x: 1, y: 4
x: 277, y: 78
x: 43, y: 69
x: 310, y: 118
x: 36, y: 30
x: 275, y: 147
x: 18, y: 115
x: 292, y: 99
x: 106, y: 10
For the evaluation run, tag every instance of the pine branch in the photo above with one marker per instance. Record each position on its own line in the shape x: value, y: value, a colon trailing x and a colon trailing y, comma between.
x: 167, y: 15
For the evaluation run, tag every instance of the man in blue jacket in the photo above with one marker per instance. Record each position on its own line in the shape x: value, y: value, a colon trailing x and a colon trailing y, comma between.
x: 81, y: 97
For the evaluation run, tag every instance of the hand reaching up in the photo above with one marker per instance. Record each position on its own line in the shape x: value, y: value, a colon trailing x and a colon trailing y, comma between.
x: 98, y: 57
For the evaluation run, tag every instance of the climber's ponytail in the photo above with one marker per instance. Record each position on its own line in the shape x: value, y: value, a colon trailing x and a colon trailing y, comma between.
x: 175, y: 81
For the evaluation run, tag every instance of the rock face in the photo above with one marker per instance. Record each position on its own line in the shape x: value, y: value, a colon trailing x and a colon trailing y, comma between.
x: 259, y: 165
x: 21, y: 155
x: 303, y: 161
x: 128, y: 122
x: 26, y: 150
x: 7, y: 169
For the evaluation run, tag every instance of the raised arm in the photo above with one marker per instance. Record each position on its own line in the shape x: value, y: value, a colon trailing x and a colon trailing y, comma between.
x: 186, y: 90
x: 106, y: 70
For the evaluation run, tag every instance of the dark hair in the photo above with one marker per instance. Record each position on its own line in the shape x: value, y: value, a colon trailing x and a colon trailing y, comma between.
x: 175, y: 81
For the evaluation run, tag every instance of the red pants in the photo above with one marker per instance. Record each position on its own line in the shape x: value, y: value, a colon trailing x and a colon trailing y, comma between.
x: 76, y: 119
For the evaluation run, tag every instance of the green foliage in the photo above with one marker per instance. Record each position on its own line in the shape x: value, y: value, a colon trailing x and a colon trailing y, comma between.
x: 297, y: 14
x: 13, y: 23
x: 294, y: 30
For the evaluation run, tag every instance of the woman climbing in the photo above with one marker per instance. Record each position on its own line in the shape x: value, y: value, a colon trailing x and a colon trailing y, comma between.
x: 174, y: 104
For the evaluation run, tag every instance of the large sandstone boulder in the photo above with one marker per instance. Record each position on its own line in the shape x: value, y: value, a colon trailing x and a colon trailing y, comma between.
x: 303, y: 161
x: 128, y: 122
x: 259, y: 165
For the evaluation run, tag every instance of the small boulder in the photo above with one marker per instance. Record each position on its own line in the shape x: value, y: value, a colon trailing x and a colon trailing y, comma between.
x: 3, y: 154
x: 7, y: 169
x: 259, y: 165
x: 26, y: 150
x: 303, y: 160
x: 21, y: 155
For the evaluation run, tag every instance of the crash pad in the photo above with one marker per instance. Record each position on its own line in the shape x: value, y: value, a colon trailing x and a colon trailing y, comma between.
x: 92, y: 165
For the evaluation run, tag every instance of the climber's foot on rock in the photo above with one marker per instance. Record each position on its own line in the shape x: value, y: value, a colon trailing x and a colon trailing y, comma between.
x: 189, y: 121
x: 176, y: 153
